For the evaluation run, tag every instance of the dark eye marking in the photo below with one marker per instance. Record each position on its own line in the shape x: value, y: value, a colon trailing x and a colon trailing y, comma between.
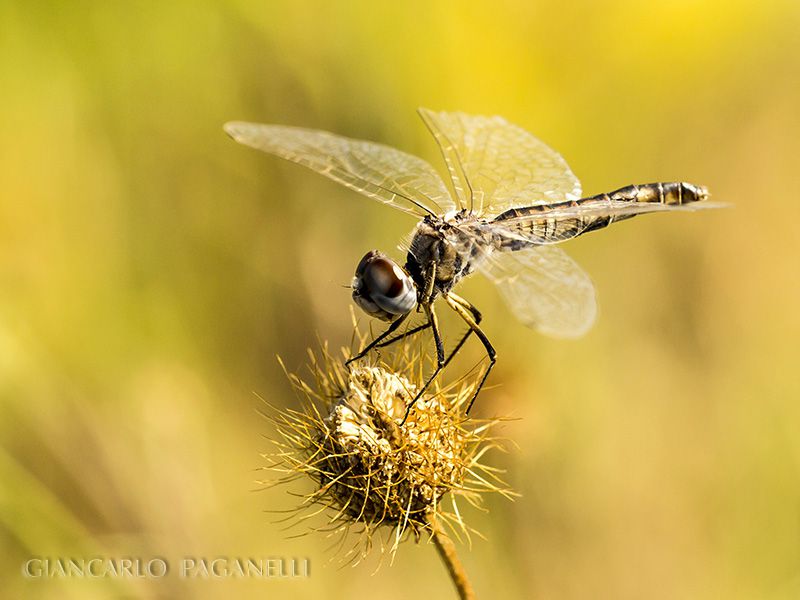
x: 380, y: 277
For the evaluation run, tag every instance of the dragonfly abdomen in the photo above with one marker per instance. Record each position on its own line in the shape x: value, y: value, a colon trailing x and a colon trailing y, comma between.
x: 543, y: 223
x: 673, y: 192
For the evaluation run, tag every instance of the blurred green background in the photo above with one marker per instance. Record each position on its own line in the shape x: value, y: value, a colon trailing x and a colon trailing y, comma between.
x: 151, y: 269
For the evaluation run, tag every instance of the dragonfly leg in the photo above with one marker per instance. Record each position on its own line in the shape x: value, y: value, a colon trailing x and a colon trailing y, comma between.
x: 472, y: 317
x: 476, y: 314
x: 437, y: 335
x: 378, y: 340
x: 403, y: 335
x: 433, y: 321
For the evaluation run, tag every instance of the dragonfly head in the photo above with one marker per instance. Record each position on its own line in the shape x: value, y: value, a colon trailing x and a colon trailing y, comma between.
x: 382, y: 288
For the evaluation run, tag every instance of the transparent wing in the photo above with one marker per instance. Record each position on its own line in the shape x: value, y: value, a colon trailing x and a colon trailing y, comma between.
x: 545, y: 289
x: 382, y: 173
x: 495, y: 165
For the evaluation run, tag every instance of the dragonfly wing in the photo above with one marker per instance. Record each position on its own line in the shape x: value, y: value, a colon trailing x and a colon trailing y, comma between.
x: 495, y: 165
x: 545, y: 289
x: 385, y: 174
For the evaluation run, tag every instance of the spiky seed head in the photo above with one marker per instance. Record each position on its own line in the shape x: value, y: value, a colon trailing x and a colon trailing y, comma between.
x: 379, y: 469
x: 372, y: 468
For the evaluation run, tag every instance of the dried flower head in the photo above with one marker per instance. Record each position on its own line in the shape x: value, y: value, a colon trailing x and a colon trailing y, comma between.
x: 373, y: 470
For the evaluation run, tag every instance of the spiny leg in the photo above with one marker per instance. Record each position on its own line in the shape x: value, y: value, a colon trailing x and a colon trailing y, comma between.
x: 437, y: 335
x: 440, y: 361
x: 476, y: 315
x: 376, y: 342
x: 423, y: 327
x: 426, y: 302
x: 468, y: 312
x: 379, y: 344
x: 404, y: 335
x: 468, y: 305
x: 433, y: 323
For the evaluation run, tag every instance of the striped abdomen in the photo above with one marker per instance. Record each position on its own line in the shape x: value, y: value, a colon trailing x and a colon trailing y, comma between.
x: 674, y: 192
x: 563, y: 220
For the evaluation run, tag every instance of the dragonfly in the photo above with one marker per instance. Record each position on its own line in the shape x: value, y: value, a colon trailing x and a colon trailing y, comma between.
x: 511, y: 201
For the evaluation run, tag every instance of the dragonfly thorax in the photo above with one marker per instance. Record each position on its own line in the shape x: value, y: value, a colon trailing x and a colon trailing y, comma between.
x: 441, y: 242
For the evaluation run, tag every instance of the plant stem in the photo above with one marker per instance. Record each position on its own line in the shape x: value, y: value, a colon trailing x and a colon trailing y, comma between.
x: 447, y: 552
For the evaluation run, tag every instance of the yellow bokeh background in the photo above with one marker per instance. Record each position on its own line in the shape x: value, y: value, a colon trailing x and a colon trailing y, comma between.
x: 151, y: 270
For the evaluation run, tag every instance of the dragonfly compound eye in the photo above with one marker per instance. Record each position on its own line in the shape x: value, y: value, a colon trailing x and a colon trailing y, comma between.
x: 382, y: 288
